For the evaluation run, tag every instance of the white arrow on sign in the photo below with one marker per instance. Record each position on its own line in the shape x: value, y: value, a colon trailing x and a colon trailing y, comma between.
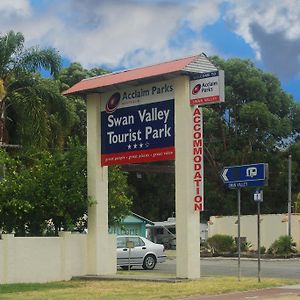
x: 225, y: 178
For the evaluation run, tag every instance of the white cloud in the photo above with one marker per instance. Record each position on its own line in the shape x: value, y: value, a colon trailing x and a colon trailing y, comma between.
x: 273, y: 16
x: 128, y: 32
x: 14, y: 7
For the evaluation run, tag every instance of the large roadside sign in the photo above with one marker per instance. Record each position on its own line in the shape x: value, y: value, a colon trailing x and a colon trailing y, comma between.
x: 137, y: 124
x: 245, y: 175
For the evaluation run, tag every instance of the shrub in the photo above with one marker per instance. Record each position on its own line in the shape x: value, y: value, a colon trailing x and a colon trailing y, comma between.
x: 263, y: 249
x: 221, y: 243
x: 205, y: 247
x: 245, y: 246
x: 284, y: 246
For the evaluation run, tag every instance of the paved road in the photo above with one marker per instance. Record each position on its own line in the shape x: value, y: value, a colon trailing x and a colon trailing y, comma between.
x: 215, y: 266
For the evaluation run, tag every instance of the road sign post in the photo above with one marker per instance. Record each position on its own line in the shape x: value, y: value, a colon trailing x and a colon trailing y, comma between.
x: 237, y: 177
x: 239, y: 234
x: 258, y: 198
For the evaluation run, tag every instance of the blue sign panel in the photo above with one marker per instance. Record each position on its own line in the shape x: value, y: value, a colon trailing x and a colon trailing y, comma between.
x: 244, y: 175
x: 140, y: 133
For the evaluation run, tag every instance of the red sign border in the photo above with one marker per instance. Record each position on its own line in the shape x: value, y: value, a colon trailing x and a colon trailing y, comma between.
x: 139, y: 156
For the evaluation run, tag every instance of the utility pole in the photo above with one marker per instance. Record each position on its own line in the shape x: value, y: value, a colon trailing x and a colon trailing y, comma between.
x: 290, y: 196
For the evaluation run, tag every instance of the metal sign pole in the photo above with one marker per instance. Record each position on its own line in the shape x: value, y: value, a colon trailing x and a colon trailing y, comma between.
x: 258, y: 240
x: 239, y: 234
x: 258, y: 197
x: 290, y: 196
x: 129, y: 266
x: 237, y: 177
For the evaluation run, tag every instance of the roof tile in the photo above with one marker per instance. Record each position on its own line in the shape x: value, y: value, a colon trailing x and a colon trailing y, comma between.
x: 130, y: 75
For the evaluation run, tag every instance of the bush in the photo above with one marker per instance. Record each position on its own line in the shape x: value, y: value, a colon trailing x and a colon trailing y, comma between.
x: 283, y: 246
x: 263, y: 249
x: 246, y: 246
x: 221, y: 243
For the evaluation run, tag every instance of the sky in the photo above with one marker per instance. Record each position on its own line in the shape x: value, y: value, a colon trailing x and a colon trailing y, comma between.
x: 122, y: 34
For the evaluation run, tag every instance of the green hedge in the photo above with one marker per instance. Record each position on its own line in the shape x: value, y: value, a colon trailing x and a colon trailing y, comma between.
x: 221, y: 243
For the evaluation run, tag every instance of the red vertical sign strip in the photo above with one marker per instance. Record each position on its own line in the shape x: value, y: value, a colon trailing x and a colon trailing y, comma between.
x: 198, y: 159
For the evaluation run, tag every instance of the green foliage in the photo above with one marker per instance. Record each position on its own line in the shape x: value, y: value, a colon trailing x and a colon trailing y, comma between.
x: 75, y: 73
x: 41, y: 186
x: 255, y: 124
x: 42, y: 120
x: 33, y: 113
x: 263, y: 249
x: 15, y: 59
x: 67, y: 78
x: 283, y: 246
x: 45, y: 188
x: 257, y: 121
x: 153, y: 193
x: 246, y: 246
x: 119, y: 201
x: 221, y: 243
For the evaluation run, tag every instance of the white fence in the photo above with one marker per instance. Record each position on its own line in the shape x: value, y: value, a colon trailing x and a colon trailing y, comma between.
x: 272, y: 226
x: 42, y: 259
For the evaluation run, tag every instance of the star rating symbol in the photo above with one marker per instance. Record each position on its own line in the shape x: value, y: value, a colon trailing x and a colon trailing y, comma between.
x: 136, y: 146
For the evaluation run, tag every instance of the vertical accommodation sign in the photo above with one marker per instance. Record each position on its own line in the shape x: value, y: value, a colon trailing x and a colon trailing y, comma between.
x: 205, y: 88
x: 198, y: 159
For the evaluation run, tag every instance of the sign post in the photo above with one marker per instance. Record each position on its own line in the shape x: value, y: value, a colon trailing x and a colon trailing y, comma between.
x: 129, y: 245
x: 258, y: 198
x: 239, y: 233
x: 237, y: 177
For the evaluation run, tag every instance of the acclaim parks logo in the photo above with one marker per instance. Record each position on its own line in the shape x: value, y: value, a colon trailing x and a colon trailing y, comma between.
x: 113, y: 102
x: 196, y: 89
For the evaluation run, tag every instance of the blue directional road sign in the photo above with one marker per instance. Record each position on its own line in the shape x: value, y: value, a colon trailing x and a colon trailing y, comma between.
x: 235, y: 177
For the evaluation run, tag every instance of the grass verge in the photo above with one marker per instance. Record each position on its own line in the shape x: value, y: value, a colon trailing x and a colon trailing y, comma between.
x: 133, y: 290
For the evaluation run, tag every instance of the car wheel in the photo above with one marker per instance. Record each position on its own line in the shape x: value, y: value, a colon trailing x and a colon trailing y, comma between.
x: 149, y: 262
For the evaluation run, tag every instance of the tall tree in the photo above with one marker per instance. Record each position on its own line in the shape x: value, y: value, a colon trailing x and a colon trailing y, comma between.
x: 19, y: 81
x: 254, y: 124
x: 42, y: 188
x: 68, y: 77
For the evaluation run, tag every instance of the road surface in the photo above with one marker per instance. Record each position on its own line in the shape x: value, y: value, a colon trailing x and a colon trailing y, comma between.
x: 289, y: 268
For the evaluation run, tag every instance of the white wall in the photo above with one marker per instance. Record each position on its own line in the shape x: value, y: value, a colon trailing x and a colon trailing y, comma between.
x: 42, y: 259
x: 271, y: 227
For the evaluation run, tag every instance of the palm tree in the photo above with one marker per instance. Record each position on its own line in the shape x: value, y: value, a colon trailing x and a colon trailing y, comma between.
x: 23, y: 93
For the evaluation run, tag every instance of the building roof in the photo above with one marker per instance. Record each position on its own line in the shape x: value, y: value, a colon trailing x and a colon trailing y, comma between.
x: 133, y: 217
x: 162, y: 71
x: 171, y: 222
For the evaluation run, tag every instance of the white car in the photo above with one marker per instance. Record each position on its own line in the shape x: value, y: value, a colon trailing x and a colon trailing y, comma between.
x: 142, y: 252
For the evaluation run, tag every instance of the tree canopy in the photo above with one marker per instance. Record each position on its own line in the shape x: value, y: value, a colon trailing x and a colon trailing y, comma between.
x: 258, y: 122
x: 43, y: 187
x: 26, y: 97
